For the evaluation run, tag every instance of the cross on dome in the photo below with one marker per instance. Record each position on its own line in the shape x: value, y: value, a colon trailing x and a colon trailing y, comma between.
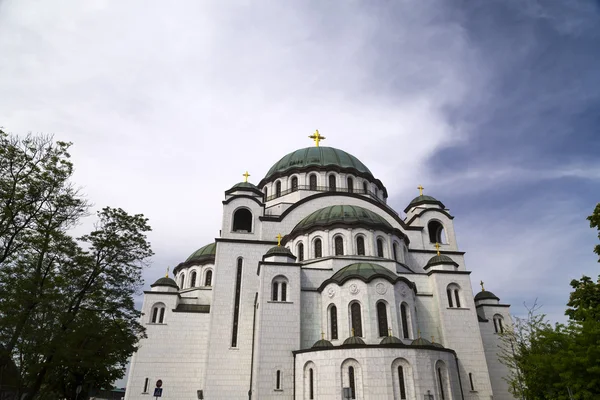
x: 246, y: 175
x: 279, y: 239
x: 167, y: 275
x: 482, y: 288
x: 317, y: 137
x: 420, y: 187
x: 437, y: 247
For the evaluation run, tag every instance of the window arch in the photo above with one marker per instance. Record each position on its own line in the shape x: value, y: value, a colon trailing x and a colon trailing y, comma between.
x: 208, y: 278
x: 294, y: 184
x: 193, y: 279
x: 365, y: 187
x: 242, y: 220
x: 453, y: 293
x: 332, y: 183
x: 279, y: 286
x: 352, y: 378
x: 395, y: 248
x: 157, y: 316
x: 350, y: 183
x: 382, y: 320
x: 333, y: 324
x: 278, y: 189
x: 300, y: 251
x: 312, y: 182
x: 356, y: 319
x: 498, y: 323
x: 436, y: 232
x: 404, y: 317
x: 360, y: 245
x: 309, y: 380
x: 402, y: 377
x: 182, y: 281
x: 318, y: 248
x: 443, y: 381
x: 380, y: 247
x: 339, y: 245
x: 311, y: 384
x: 266, y: 192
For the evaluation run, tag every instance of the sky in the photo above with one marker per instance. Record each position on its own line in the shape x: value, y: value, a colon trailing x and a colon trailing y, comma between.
x: 492, y: 106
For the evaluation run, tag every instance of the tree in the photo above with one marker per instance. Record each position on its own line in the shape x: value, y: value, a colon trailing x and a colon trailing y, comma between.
x: 595, y: 223
x: 68, y: 315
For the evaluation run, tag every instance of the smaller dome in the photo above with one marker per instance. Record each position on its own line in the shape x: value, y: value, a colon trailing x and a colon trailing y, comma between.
x: 280, y: 251
x: 441, y: 259
x: 420, y: 342
x: 354, y: 341
x: 423, y: 199
x: 322, y: 344
x: 207, y: 251
x: 164, y: 281
x: 243, y: 185
x: 485, y: 295
x: 391, y: 340
x: 436, y: 344
x: 344, y: 215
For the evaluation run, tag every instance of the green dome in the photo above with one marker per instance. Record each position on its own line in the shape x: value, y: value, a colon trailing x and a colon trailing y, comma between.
x: 366, y: 272
x: 322, y: 344
x: 420, y: 342
x: 354, y: 341
x: 279, y: 250
x: 441, y: 259
x: 243, y: 185
x: 317, y: 157
x: 346, y: 215
x: 485, y: 295
x: 436, y: 344
x: 164, y: 281
x: 423, y: 199
x: 207, y: 251
x: 391, y: 340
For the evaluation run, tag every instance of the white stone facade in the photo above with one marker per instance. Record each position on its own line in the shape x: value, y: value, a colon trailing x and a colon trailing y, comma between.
x: 241, y: 317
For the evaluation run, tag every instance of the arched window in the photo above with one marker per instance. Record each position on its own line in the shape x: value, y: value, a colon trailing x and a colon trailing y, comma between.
x: 266, y: 191
x: 404, y: 317
x: 312, y: 182
x: 236, y: 309
x: 146, y: 385
x: 300, y: 252
x: 278, y: 189
x: 318, y: 248
x: 283, y: 291
x: 382, y: 321
x: 379, y: 247
x: 182, y: 281
x: 401, y: 382
x: 350, y: 182
x: 352, y: 382
x: 279, y: 288
x: 208, y: 278
x: 471, y: 382
x: 360, y: 245
x: 453, y: 293
x: 395, y: 248
x: 275, y: 291
x: 498, y: 326
x: 356, y: 319
x: 242, y: 220
x: 294, y: 184
x: 365, y: 187
x: 442, y: 379
x: 158, y: 313
x: 332, y: 187
x: 193, y: 279
x: 333, y: 328
x: 436, y: 232
x: 339, y: 246
x: 278, y: 380
x: 311, y: 384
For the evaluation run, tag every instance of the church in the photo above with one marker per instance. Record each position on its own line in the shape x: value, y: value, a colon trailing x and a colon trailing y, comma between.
x: 317, y: 289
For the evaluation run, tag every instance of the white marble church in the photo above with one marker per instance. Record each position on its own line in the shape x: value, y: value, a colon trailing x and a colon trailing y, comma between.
x: 317, y: 289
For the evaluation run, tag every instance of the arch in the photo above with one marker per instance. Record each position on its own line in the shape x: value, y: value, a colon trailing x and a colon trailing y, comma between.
x: 312, y: 182
x: 403, y: 379
x: 310, y: 382
x: 380, y: 252
x: 193, y: 279
x: 157, y: 315
x: 352, y: 378
x: 333, y: 322
x: 332, y: 183
x: 300, y: 251
x: 395, y: 249
x: 242, y: 220
x: 294, y: 184
x: 404, y: 318
x: 208, y: 278
x: 278, y: 189
x: 182, y: 281
x: 350, y: 184
x: 498, y: 323
x: 443, y: 381
x: 356, y: 318
x: 360, y: 245
x: 266, y: 192
x: 382, y: 319
x: 365, y: 186
x: 436, y: 232
x: 279, y: 286
x: 454, y: 295
x: 318, y: 248
x: 339, y: 245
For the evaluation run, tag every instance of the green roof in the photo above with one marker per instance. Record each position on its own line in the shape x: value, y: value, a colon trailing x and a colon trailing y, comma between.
x: 441, y: 259
x: 244, y: 185
x: 348, y: 215
x: 421, y: 342
x: 322, y: 344
x: 391, y: 340
x: 164, y: 281
x: 354, y: 341
x: 423, y: 199
x: 203, y: 252
x: 363, y: 271
x: 485, y: 295
x: 317, y: 157
x: 279, y: 250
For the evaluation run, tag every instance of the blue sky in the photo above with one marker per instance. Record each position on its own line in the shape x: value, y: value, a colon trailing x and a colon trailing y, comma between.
x: 492, y: 106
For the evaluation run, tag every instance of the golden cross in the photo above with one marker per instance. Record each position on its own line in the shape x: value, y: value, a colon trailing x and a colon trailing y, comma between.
x: 279, y: 239
x: 389, y: 331
x: 482, y: 288
x: 322, y: 335
x: 433, y: 339
x: 352, y: 331
x: 437, y: 247
x: 167, y: 275
x: 419, y: 333
x: 420, y: 190
x: 317, y: 137
x: 246, y: 175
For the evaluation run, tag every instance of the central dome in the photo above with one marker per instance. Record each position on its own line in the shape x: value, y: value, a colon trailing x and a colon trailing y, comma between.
x: 317, y: 157
x: 345, y: 215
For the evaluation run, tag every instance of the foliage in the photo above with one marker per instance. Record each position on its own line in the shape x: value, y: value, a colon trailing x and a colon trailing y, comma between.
x: 595, y: 223
x: 68, y: 315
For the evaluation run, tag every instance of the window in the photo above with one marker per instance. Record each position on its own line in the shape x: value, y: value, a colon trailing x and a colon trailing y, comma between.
x: 401, y: 381
x: 449, y: 293
x: 332, y: 183
x: 360, y: 246
x: 193, y: 279
x: 457, y: 298
x: 300, y: 252
x: 350, y: 185
x: 453, y: 293
x: 146, y: 384
x: 395, y: 247
x: 182, y: 280
x: 283, y: 291
x: 498, y: 326
x: 312, y: 182
x: 333, y: 322
x: 275, y: 291
x: 318, y: 248
x: 266, y: 191
x: 404, y: 317
x: 471, y: 381
x: 441, y: 383
x: 278, y: 380
x: 351, y: 382
x: 236, y: 309
x: 365, y: 187
x: 278, y: 189
x: 382, y: 319
x: 154, y: 315
x: 339, y: 246
x: 294, y: 184
x: 311, y: 388
x: 436, y: 232
x: 208, y: 278
x: 279, y: 289
x: 161, y: 317
x: 379, y: 247
x: 242, y: 220
x: 158, y: 313
x: 355, y: 319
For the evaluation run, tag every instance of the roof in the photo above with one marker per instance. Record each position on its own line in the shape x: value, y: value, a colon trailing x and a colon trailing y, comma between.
x: 164, y: 281
x: 366, y: 272
x: 244, y: 186
x: 485, y: 295
x: 353, y: 340
x: 423, y: 199
x: 279, y: 250
x: 391, y: 340
x: 420, y: 342
x: 441, y: 259
x: 321, y: 344
x: 203, y: 255
x: 343, y: 215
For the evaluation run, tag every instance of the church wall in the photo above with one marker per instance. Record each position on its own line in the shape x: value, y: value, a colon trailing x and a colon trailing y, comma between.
x: 310, y: 314
x: 228, y: 212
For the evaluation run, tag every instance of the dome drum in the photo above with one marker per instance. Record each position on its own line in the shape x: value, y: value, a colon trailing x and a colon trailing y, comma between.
x: 202, y: 256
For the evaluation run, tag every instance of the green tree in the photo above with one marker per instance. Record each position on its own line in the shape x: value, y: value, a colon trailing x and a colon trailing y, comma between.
x: 595, y: 223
